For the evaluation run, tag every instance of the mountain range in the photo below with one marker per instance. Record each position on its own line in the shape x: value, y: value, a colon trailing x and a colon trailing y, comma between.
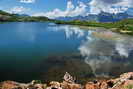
x: 8, y: 17
x: 101, y: 17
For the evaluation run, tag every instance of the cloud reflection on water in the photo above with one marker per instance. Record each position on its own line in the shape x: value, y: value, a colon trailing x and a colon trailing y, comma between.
x: 102, y: 50
x: 70, y: 31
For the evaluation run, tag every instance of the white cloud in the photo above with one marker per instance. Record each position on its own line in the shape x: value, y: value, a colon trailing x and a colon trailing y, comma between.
x: 69, y: 31
x: 70, y: 6
x: 96, y: 6
x: 70, y: 11
x: 111, y: 6
x: 18, y: 9
x: 102, y: 54
x: 52, y: 14
x: 27, y: 1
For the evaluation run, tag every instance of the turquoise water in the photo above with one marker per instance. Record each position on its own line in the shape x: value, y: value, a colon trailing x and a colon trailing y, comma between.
x: 25, y: 46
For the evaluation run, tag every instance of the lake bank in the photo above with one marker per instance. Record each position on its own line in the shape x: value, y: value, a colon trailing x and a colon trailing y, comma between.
x: 125, y: 81
x: 124, y: 32
x: 123, y: 26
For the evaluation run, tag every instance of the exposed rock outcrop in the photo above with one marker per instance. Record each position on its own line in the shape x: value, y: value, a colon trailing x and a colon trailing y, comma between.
x: 68, y: 83
x: 125, y: 81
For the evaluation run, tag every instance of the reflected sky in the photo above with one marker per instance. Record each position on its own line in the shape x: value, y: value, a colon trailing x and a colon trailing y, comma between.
x: 106, y: 50
x: 101, y: 49
x: 70, y: 31
x: 43, y: 39
x: 30, y: 43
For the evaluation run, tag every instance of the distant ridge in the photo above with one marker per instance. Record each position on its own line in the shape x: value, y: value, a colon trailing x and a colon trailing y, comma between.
x: 8, y: 17
x: 101, y: 17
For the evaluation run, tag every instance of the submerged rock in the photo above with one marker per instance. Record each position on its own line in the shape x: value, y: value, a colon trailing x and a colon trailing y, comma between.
x: 54, y: 68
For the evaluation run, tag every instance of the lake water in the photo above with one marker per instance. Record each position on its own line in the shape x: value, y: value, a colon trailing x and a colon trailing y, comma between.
x: 34, y: 50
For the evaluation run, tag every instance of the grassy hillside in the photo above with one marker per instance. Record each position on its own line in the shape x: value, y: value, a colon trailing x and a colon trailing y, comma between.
x: 7, y: 17
x: 123, y: 26
x: 4, y: 13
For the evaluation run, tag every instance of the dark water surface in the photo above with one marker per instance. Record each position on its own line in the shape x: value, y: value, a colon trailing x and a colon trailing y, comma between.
x: 40, y: 50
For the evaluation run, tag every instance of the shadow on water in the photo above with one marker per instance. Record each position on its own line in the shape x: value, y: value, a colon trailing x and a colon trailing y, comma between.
x: 56, y: 66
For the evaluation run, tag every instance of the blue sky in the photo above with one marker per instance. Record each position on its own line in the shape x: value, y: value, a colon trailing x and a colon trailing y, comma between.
x: 56, y: 8
x: 36, y: 6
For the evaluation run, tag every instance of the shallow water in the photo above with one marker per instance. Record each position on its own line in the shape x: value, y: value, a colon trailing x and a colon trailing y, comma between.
x: 24, y: 47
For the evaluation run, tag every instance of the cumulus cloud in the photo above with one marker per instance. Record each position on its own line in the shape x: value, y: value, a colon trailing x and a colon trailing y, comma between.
x: 18, y: 9
x: 69, y: 31
x: 92, y: 7
x: 102, y: 53
x: 70, y: 6
x: 71, y: 11
x: 111, y: 6
x: 27, y: 1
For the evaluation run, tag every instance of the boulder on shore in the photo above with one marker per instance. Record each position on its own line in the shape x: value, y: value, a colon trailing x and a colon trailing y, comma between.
x: 125, y: 81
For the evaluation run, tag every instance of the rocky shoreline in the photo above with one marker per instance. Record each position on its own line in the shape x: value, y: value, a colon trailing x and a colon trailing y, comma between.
x: 125, y: 81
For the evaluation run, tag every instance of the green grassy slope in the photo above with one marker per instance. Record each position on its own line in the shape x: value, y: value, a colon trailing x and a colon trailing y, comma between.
x: 123, y: 26
x: 7, y: 17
